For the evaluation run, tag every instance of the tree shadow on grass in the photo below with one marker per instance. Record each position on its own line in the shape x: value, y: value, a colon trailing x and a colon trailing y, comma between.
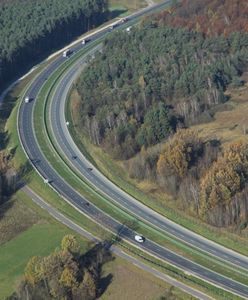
x: 94, y: 260
x: 7, y: 106
x: 4, y: 139
x: 12, y: 181
x: 105, y: 282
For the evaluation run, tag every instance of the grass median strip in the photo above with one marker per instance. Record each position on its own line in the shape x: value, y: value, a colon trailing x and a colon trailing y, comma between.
x: 100, y: 201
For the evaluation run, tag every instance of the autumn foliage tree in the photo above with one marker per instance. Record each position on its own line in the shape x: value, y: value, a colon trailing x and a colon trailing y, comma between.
x: 64, y: 274
x: 223, y: 182
x: 180, y: 153
x: 178, y: 156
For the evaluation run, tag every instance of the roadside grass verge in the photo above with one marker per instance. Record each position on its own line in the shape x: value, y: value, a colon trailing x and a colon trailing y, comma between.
x: 130, y: 5
x: 126, y: 279
x: 184, y: 277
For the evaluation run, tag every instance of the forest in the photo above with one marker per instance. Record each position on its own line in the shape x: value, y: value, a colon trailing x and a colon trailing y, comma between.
x: 30, y: 29
x: 147, y: 83
x: 64, y: 274
x: 142, y: 93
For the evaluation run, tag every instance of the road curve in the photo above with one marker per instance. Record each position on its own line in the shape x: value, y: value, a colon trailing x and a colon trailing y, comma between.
x: 31, y: 147
x: 81, y: 164
x: 66, y: 145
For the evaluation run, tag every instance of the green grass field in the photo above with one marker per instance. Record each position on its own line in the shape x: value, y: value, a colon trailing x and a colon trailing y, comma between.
x: 127, y: 4
x: 38, y: 238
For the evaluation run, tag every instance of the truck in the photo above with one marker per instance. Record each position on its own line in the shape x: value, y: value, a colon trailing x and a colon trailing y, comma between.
x: 85, y: 41
x: 67, y: 53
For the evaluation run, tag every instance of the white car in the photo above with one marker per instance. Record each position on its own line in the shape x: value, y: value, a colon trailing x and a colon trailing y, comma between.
x: 139, y: 238
x: 27, y: 99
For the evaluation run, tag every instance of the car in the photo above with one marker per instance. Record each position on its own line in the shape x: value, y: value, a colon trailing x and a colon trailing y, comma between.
x: 27, y: 99
x: 139, y: 238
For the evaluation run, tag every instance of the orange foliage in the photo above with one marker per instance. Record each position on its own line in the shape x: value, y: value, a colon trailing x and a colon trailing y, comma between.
x: 180, y: 153
x: 225, y: 178
x: 212, y: 17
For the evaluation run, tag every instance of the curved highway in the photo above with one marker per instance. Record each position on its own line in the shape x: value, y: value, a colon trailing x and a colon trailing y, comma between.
x: 32, y: 149
x: 66, y: 145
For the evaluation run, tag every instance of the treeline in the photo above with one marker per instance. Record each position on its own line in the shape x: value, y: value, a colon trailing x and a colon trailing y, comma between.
x: 7, y: 179
x: 30, y: 29
x: 213, y: 184
x: 212, y: 17
x: 148, y: 82
x: 208, y: 180
x: 64, y: 274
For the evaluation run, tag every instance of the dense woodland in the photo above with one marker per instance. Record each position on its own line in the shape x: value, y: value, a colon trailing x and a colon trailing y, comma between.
x: 64, y: 274
x: 167, y: 74
x: 30, y: 29
x: 148, y: 82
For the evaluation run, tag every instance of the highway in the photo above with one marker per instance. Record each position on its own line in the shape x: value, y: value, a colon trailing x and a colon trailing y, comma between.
x: 66, y: 145
x: 30, y: 144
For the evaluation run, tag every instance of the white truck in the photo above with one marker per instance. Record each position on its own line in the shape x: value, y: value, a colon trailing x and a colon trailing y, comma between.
x: 67, y: 53
x: 85, y: 41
